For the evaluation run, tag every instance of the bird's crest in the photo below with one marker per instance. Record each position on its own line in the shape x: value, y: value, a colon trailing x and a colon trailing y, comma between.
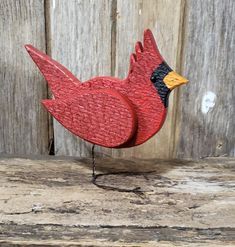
x: 146, y: 53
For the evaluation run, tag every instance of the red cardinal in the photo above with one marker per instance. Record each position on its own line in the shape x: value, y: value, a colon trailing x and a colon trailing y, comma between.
x: 109, y: 111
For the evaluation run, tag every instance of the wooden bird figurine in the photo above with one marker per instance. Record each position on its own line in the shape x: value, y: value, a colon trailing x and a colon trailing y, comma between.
x: 108, y: 111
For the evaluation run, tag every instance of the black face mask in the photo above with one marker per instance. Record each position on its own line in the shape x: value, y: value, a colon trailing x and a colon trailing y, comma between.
x: 157, y: 79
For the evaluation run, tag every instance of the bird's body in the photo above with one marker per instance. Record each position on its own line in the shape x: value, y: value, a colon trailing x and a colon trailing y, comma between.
x: 108, y: 111
x: 142, y: 97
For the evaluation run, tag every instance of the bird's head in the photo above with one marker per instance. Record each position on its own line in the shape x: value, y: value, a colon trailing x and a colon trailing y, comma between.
x: 165, y: 80
x: 148, y: 62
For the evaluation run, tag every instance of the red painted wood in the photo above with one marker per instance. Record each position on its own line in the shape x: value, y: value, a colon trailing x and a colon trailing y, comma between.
x: 103, y: 117
x: 105, y: 110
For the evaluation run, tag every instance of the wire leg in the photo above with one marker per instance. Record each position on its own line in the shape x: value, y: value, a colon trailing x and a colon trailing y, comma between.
x: 93, y: 163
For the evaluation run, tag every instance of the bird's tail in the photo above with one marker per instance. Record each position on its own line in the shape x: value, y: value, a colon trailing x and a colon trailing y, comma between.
x: 61, y: 81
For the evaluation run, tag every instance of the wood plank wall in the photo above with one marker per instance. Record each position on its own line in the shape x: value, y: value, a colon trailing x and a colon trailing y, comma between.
x: 92, y: 38
x: 207, y: 104
x: 23, y: 122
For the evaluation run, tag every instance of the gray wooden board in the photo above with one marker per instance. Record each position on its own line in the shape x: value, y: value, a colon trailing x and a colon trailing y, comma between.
x: 57, y: 235
x: 23, y: 122
x: 171, y: 202
x: 164, y: 19
x: 79, y: 36
x: 207, y: 104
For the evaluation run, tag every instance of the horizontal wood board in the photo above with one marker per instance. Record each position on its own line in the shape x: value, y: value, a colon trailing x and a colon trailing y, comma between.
x: 136, y: 203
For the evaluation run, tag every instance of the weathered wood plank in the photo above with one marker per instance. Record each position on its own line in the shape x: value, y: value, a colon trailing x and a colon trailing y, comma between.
x: 169, y: 202
x: 80, y: 38
x: 23, y: 122
x: 164, y: 19
x: 57, y: 235
x: 207, y: 104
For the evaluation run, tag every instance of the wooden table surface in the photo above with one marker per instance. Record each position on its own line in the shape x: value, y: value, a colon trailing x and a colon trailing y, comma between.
x: 52, y: 202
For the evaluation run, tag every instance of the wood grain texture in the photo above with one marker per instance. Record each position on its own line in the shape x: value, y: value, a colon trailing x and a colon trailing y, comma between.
x: 23, y: 122
x: 164, y: 19
x: 207, y: 104
x: 169, y: 203
x: 79, y: 33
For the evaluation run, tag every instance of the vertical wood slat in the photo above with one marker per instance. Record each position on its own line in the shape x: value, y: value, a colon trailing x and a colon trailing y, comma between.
x: 80, y: 39
x: 164, y: 18
x: 23, y: 122
x: 207, y: 104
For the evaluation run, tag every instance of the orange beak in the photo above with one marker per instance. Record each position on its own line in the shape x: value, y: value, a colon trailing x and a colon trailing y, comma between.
x: 173, y: 80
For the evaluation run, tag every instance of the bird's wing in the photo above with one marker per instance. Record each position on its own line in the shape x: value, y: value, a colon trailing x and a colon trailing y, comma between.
x: 61, y: 81
x: 146, y: 52
x: 103, y: 117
